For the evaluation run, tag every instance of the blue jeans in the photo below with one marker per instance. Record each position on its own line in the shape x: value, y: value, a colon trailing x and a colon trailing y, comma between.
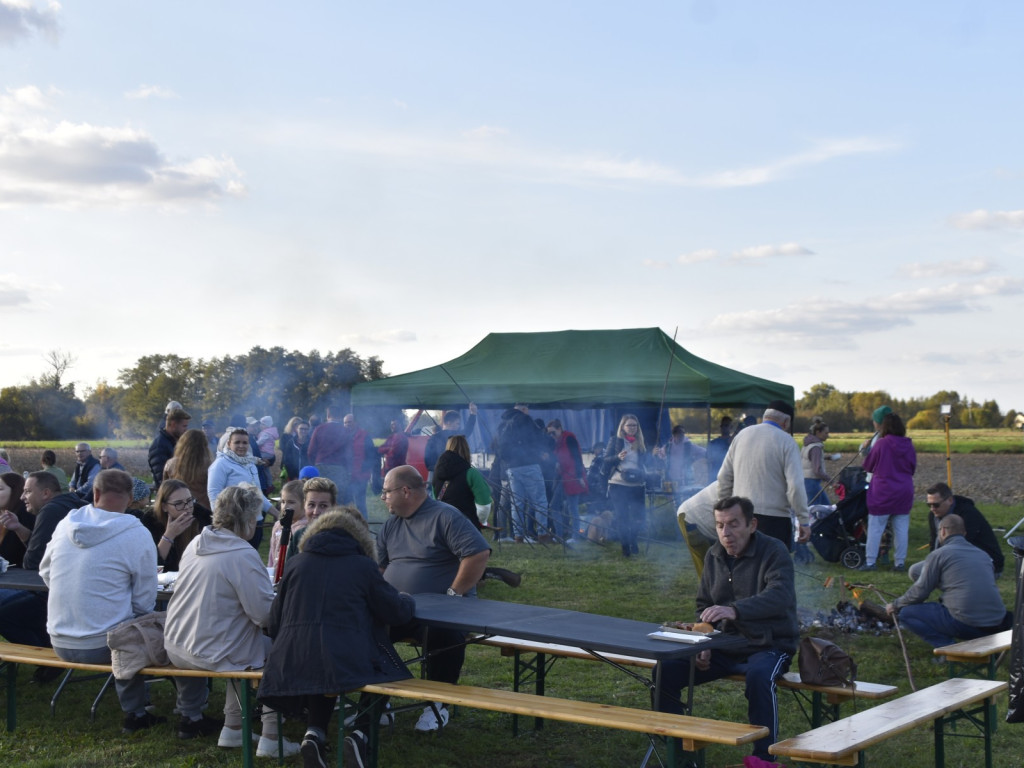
x: 527, y: 486
x: 23, y: 617
x: 934, y: 624
x: 565, y: 516
x: 357, y: 489
x: 131, y: 693
x: 900, y: 530
x: 815, y: 491
x: 761, y: 669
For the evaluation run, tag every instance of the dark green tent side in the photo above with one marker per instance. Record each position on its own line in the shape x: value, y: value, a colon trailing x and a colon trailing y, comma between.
x: 574, y: 369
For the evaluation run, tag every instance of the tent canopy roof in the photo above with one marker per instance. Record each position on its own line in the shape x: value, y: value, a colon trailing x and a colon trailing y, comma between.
x: 573, y: 369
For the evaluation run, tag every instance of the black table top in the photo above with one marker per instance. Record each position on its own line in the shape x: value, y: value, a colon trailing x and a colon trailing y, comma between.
x: 603, y: 634
x: 19, y: 578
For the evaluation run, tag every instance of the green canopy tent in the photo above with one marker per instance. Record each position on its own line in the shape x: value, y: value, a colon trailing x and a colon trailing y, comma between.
x: 574, y: 370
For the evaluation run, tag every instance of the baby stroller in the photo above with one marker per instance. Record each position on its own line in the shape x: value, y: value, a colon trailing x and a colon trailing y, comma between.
x: 841, y: 535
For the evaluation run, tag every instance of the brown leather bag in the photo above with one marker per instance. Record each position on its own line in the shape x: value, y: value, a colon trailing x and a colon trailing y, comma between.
x: 825, y: 663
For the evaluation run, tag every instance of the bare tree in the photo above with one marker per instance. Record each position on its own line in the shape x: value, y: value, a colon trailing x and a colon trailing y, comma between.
x: 59, y: 361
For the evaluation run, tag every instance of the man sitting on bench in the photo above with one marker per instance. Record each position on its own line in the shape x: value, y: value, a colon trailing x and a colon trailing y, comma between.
x: 746, y: 589
x: 971, y: 604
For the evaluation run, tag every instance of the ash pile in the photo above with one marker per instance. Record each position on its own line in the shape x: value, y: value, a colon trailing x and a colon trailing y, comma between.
x: 849, y: 617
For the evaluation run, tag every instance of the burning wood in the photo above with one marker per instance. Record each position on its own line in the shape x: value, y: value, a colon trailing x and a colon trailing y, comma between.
x: 850, y: 617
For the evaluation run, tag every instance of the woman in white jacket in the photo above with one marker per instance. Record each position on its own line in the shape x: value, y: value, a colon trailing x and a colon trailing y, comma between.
x: 236, y: 465
x: 221, y: 604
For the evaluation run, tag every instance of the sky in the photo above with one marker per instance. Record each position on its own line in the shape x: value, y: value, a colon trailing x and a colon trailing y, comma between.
x: 803, y: 191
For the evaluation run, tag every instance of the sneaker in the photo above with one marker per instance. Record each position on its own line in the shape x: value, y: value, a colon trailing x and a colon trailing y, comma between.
x: 354, y: 750
x: 899, y: 568
x: 387, y: 717
x: 195, y: 729
x: 313, y: 751
x: 133, y: 723
x: 268, y: 747
x: 428, y: 720
x: 232, y: 737
x: 46, y: 674
x: 503, y: 574
x: 866, y: 567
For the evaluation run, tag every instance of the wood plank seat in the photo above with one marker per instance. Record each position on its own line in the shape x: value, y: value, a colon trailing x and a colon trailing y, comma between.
x: 844, y: 741
x: 982, y: 654
x: 13, y: 654
x: 695, y: 733
x: 824, y: 700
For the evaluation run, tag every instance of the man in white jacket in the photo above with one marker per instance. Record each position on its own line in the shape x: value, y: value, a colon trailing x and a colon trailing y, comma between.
x: 100, y: 568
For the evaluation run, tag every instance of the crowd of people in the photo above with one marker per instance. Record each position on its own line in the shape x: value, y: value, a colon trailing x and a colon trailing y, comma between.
x: 744, y: 504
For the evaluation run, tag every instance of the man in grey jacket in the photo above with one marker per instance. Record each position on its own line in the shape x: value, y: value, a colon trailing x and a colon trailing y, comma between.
x: 746, y: 589
x: 971, y: 605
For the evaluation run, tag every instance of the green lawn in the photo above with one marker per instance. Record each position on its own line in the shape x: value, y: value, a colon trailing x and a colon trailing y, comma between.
x: 656, y: 586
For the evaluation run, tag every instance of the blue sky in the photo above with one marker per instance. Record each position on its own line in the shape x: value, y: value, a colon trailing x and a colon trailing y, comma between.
x: 808, y: 191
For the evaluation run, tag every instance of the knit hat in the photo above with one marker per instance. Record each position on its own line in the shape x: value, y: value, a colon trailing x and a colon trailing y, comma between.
x: 307, y: 472
x: 267, y: 421
x: 880, y: 413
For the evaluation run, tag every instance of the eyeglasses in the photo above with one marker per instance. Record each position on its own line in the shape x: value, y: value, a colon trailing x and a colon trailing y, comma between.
x: 384, y: 492
x: 935, y: 504
x: 183, y: 504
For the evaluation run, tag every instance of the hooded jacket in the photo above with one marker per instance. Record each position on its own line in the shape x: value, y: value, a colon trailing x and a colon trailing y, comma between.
x: 221, y: 603
x: 892, y: 462
x: 329, y: 619
x: 100, y: 568
x: 466, y: 487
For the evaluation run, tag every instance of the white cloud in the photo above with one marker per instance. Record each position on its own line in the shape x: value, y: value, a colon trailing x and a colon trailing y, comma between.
x: 693, y: 257
x: 387, y: 336
x: 13, y: 293
x: 554, y: 166
x: 655, y: 264
x: 20, y: 18
x: 982, y: 219
x: 839, y: 323
x: 485, y: 132
x: 977, y: 266
x: 150, y: 92
x: 399, y: 103
x: 760, y: 252
x: 69, y: 164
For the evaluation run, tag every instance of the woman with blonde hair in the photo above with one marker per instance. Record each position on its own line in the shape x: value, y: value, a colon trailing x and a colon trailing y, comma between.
x: 175, y: 519
x: 191, y: 463
x: 625, y: 467
x: 459, y: 483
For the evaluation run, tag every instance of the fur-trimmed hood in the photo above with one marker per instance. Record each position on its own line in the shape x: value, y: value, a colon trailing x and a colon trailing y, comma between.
x: 347, y: 521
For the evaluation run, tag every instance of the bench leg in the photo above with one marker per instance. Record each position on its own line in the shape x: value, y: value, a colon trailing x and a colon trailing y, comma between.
x: 245, y: 699
x: 12, y: 698
x: 940, y: 745
x: 96, y: 702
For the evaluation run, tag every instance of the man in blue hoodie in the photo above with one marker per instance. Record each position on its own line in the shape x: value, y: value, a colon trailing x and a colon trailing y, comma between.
x: 100, y: 568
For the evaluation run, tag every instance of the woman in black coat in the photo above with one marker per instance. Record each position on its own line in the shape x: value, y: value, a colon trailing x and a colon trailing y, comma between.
x: 329, y: 625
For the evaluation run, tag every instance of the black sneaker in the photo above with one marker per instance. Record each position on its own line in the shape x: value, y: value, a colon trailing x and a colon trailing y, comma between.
x: 195, y: 729
x: 133, y: 723
x: 46, y: 674
x: 355, y: 749
x: 314, y: 753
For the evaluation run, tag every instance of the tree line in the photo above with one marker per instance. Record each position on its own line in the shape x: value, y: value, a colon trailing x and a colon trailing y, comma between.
x: 281, y: 383
x: 851, y: 411
x: 263, y: 382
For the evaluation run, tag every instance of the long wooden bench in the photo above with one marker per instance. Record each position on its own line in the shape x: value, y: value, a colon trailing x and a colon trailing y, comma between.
x: 13, y: 655
x: 694, y: 733
x: 980, y: 655
x: 825, y: 701
x: 843, y: 742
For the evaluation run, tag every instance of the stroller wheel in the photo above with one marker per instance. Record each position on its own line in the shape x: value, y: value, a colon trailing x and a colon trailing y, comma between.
x: 852, y: 558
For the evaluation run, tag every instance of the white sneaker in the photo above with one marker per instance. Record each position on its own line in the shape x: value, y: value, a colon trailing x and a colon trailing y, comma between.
x: 428, y: 720
x: 387, y: 717
x: 232, y: 737
x: 268, y: 747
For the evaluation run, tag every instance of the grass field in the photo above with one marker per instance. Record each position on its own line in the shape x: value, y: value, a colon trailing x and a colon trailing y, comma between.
x: 657, y: 586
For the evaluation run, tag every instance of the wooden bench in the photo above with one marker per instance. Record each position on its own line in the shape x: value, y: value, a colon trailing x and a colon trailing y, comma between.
x: 694, y: 733
x: 843, y: 742
x: 978, y: 656
x: 13, y: 655
x: 824, y: 700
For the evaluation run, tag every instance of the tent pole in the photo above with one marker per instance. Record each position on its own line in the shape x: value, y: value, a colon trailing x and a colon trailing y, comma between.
x: 664, y: 388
